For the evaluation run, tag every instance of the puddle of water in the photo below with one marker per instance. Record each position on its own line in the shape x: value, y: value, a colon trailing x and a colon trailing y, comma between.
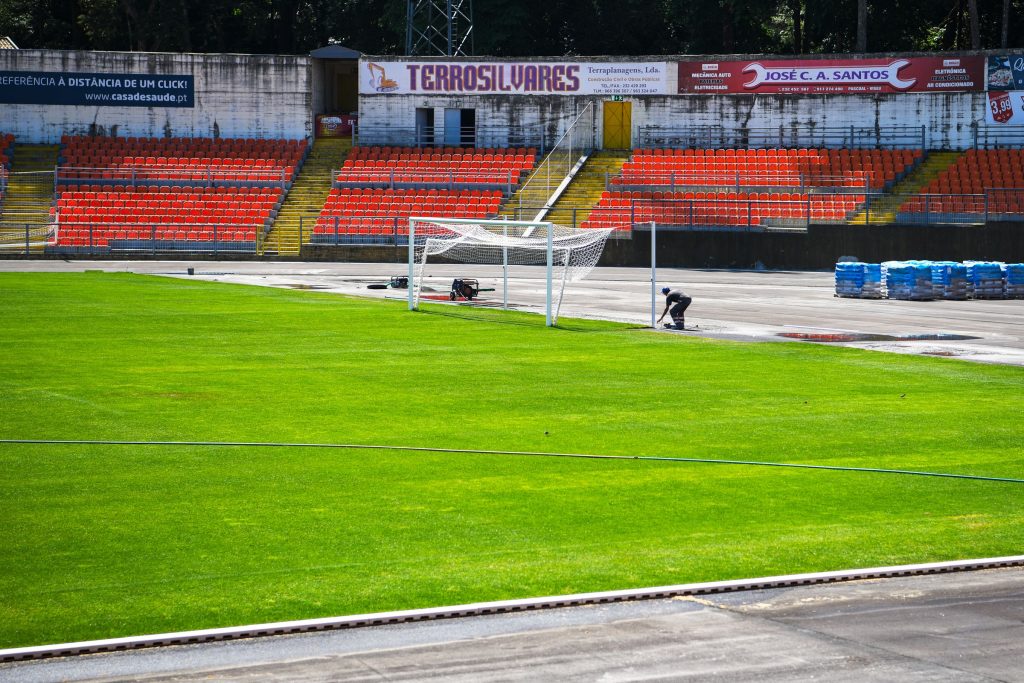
x: 865, y: 337
x: 304, y: 286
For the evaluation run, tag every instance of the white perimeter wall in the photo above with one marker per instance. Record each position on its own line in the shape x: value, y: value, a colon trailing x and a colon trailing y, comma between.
x: 249, y: 96
x: 948, y: 117
x: 502, y: 120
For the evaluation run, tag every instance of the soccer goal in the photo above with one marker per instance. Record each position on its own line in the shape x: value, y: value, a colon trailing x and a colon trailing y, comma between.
x: 21, y: 237
x: 568, y: 254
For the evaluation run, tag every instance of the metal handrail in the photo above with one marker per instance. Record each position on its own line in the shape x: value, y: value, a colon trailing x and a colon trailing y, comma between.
x: 735, y: 179
x: 156, y: 225
x: 576, y: 142
x: 149, y: 175
x: 513, y: 134
x: 997, y: 137
x: 752, y: 137
x: 392, y: 178
x: 372, y: 227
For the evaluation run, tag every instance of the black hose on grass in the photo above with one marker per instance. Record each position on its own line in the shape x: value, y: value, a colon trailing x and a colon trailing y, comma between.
x: 423, y: 449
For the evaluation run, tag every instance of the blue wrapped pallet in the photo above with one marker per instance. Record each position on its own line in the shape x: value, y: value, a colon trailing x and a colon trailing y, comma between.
x: 907, y: 280
x: 872, y: 288
x: 1013, y: 280
x: 849, y: 279
x: 856, y: 280
x: 985, y: 279
x: 949, y: 280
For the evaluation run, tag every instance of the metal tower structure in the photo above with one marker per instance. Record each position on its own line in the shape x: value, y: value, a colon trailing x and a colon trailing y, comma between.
x: 439, y: 28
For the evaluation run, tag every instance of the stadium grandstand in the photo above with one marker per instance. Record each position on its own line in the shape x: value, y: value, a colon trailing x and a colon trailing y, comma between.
x: 6, y: 149
x: 282, y: 170
x: 176, y: 193
x: 377, y: 189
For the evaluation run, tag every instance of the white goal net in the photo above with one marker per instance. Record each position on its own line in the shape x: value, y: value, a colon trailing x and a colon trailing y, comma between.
x: 568, y: 254
x: 20, y: 236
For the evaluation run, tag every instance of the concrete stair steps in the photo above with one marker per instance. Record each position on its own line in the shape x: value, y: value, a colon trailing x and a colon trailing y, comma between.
x: 582, y: 193
x: 28, y: 158
x: 307, y: 195
x: 579, y: 198
x: 885, y: 208
x: 525, y: 195
x: 29, y: 193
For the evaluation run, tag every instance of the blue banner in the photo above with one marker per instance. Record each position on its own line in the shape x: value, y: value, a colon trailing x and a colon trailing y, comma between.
x: 1006, y: 72
x: 96, y: 90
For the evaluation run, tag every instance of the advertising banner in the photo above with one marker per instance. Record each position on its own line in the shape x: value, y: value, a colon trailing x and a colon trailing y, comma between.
x: 334, y: 125
x: 97, y: 90
x: 830, y: 76
x: 513, y: 78
x: 1005, y: 72
x: 1005, y: 107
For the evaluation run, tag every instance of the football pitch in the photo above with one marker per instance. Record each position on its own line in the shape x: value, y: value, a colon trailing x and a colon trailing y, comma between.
x: 106, y: 540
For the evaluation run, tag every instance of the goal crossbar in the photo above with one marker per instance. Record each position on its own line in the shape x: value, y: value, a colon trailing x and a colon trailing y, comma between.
x: 572, y: 251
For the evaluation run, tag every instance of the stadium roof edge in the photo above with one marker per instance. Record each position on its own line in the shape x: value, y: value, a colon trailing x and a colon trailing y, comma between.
x: 335, y: 52
x: 204, y: 55
x: 686, y: 58
x: 6, y: 43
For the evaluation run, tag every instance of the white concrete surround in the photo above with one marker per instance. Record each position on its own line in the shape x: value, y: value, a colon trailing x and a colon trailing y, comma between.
x: 496, y: 607
x: 275, y: 96
x: 249, y: 96
x: 948, y: 116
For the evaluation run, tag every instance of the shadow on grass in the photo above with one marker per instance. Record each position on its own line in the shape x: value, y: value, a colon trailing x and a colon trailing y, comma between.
x: 531, y: 320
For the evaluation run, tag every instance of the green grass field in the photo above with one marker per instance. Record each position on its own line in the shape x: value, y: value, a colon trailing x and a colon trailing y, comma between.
x: 104, y: 541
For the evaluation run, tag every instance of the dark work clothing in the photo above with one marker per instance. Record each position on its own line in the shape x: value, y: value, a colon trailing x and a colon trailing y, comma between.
x: 677, y: 311
x: 675, y: 296
x: 678, y: 300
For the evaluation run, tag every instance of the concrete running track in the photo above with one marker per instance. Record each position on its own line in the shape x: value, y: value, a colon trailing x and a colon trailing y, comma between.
x: 965, y: 626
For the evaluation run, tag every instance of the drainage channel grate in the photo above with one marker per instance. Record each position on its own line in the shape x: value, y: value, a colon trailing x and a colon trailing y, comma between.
x: 499, y: 607
x: 865, y: 337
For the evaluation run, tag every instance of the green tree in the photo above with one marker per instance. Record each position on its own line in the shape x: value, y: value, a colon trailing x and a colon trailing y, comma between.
x: 518, y: 27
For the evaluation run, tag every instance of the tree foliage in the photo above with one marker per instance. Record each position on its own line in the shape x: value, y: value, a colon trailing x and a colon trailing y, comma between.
x: 515, y: 27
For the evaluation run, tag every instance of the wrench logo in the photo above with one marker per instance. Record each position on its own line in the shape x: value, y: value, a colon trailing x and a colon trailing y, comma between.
x: 885, y: 74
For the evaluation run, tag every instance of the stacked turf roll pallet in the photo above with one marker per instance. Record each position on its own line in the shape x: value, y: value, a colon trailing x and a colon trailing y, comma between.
x: 925, y: 280
x: 907, y: 280
x: 949, y: 280
x: 859, y: 280
x: 849, y: 279
x: 1014, y: 287
x: 985, y: 279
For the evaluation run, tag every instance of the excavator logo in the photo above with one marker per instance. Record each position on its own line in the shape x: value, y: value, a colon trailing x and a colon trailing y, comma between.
x: 379, y: 80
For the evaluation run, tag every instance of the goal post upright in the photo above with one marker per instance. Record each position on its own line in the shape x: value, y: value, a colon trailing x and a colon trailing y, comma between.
x: 412, y: 260
x: 550, y: 261
x: 654, y: 275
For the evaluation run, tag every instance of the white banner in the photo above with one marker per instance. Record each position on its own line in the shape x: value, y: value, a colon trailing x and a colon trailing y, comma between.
x: 1005, y: 107
x: 513, y: 78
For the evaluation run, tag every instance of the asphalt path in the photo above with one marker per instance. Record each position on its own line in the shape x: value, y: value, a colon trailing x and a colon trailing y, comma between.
x: 966, y: 626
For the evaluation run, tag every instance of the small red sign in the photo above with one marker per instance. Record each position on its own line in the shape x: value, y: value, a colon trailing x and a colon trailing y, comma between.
x: 334, y: 125
x: 1000, y: 106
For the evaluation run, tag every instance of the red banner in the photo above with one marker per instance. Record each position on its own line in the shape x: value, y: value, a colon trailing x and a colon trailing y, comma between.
x: 334, y: 125
x: 829, y: 76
